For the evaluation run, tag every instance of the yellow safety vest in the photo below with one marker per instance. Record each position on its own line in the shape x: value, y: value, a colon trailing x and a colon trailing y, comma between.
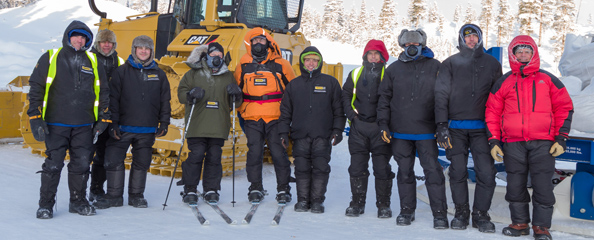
x: 355, y: 74
x: 121, y: 61
x: 53, y: 53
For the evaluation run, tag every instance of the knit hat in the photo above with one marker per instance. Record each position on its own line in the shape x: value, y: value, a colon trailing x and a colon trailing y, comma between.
x: 215, y: 46
x: 469, y: 31
x: 522, y: 46
x: 414, y: 36
x: 143, y: 41
x: 105, y: 35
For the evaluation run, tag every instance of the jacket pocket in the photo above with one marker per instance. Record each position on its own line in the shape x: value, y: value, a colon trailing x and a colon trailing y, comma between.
x: 512, y: 125
x: 540, y: 125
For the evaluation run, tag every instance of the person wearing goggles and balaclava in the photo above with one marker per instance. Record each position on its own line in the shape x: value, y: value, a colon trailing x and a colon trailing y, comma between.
x: 407, y: 119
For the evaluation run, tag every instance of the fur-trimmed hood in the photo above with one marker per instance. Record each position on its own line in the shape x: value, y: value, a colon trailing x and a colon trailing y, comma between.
x: 197, y: 60
x: 105, y: 35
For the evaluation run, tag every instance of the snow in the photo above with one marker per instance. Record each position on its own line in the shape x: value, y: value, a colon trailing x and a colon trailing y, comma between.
x: 29, y: 31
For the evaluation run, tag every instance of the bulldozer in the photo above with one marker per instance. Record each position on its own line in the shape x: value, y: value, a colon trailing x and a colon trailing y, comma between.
x: 186, y: 25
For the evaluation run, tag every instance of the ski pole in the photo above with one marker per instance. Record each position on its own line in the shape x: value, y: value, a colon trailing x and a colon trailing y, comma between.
x: 179, y: 154
x: 234, y: 118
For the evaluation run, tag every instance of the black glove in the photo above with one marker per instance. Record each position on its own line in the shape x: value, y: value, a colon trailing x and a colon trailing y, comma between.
x: 195, y: 95
x: 386, y: 135
x: 162, y: 131
x: 496, y: 152
x: 114, y: 131
x: 233, y: 90
x: 99, y: 127
x: 443, y: 135
x: 336, y: 138
x: 38, y: 128
x: 284, y: 140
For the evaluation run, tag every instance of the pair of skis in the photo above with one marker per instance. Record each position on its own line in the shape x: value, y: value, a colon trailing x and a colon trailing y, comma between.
x: 216, y: 208
x: 277, y: 217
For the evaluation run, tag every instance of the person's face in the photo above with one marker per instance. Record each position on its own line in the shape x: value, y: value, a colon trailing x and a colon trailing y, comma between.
x: 78, y: 42
x: 411, y: 43
x: 143, y: 53
x: 471, y: 40
x: 259, y: 40
x: 524, y: 55
x: 106, y: 47
x: 373, y: 56
x: 311, y: 63
x: 215, y: 54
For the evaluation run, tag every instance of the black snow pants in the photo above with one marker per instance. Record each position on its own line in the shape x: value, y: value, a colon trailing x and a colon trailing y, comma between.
x: 365, y: 139
x: 523, y: 159
x: 404, y: 154
x: 79, y: 143
x: 205, y: 151
x: 257, y: 132
x: 476, y: 141
x: 142, y: 151
x: 312, y: 168
x: 98, y: 176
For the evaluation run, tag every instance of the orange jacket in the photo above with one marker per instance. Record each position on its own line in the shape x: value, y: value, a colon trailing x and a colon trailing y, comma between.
x: 261, y: 89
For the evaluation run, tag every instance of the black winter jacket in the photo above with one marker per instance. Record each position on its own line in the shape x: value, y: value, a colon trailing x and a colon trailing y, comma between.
x: 464, y: 83
x: 367, y: 93
x: 110, y: 63
x: 311, y: 106
x: 71, y: 95
x: 139, y: 97
x: 406, y: 103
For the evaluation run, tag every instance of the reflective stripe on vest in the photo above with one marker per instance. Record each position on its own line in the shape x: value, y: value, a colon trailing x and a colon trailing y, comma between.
x: 355, y: 74
x: 51, y: 74
x: 121, y: 61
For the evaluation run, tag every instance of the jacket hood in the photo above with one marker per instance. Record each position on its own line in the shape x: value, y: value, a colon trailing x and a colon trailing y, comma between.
x: 80, y: 27
x: 197, y: 60
x: 518, y: 67
x: 307, y: 51
x: 105, y: 35
x: 376, y: 45
x: 465, y: 50
x: 274, y: 49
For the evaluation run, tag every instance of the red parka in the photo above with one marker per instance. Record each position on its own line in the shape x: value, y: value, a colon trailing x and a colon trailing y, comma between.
x: 528, y: 103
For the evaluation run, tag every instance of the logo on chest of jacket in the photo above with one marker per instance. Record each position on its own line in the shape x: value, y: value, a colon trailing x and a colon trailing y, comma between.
x: 86, y: 70
x: 541, y: 82
x: 260, y: 82
x: 320, y: 89
x: 212, y: 104
x: 152, y: 77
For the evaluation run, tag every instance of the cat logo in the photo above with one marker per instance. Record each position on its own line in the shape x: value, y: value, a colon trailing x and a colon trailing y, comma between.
x: 260, y: 82
x: 201, y: 39
x: 212, y: 104
x: 320, y: 89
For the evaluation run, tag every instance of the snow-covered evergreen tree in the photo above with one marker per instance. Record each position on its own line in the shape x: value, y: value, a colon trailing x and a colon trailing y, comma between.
x: 528, y: 15
x: 457, y: 13
x: 15, y: 3
x: 388, y: 25
x: 564, y: 23
x: 486, y: 20
x: 470, y: 14
x: 433, y: 15
x: 547, y: 15
x: 310, y: 22
x: 140, y: 5
x: 361, y: 29
x: 504, y: 23
x: 333, y: 19
x: 590, y: 20
x: 417, y: 12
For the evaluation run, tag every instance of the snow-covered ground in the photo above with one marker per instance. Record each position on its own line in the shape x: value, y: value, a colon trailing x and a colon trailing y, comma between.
x: 29, y: 31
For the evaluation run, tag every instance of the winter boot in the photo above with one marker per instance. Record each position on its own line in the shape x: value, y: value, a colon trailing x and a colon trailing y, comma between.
x: 460, y: 220
x: 115, y: 190
x: 47, y: 195
x: 98, y: 177
x: 284, y: 193
x: 77, y: 184
x: 516, y: 230
x: 189, y: 195
x: 541, y: 233
x: 45, y: 213
x: 383, y: 190
x: 302, y: 206
x: 256, y: 193
x: 211, y: 197
x: 317, y: 206
x: 482, y: 221
x: 359, y: 190
x: 406, y: 217
x: 136, y: 186
x: 440, y: 219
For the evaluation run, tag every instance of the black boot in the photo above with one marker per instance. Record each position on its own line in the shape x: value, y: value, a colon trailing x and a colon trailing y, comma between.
x: 359, y: 191
x: 47, y: 195
x: 256, y: 192
x: 115, y: 190
x: 482, y: 221
x: 302, y: 206
x: 211, y: 197
x: 284, y: 193
x: 460, y: 220
x: 136, y: 187
x: 98, y: 178
x: 190, y: 195
x: 317, y: 206
x: 77, y: 183
x: 440, y: 219
x: 406, y: 217
x: 383, y: 190
x: 516, y: 229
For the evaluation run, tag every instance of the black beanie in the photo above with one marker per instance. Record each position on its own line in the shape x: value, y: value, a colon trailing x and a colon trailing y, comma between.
x: 215, y: 46
x: 470, y: 31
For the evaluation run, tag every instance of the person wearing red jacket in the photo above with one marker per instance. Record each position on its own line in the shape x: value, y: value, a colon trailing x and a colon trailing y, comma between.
x: 528, y: 117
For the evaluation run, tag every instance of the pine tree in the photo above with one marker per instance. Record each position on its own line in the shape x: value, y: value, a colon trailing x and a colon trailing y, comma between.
x: 547, y: 15
x: 417, y: 12
x: 15, y: 3
x: 433, y: 15
x: 504, y: 22
x: 457, y: 13
x: 564, y: 23
x: 309, y: 22
x: 470, y: 14
x: 333, y: 19
x: 528, y: 15
x: 361, y: 30
x: 590, y: 20
x: 486, y: 19
x: 388, y: 24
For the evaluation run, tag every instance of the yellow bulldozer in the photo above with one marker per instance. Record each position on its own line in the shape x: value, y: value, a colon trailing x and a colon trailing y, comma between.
x: 188, y: 24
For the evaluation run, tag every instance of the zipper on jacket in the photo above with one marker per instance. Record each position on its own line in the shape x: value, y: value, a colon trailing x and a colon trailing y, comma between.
x: 474, y: 77
x: 533, y: 94
x: 414, y: 82
x: 311, y: 90
x: 77, y: 80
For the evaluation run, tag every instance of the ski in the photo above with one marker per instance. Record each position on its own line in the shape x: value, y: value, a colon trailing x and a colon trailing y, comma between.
x: 198, y: 215
x: 279, y: 214
x: 248, y: 217
x: 218, y: 210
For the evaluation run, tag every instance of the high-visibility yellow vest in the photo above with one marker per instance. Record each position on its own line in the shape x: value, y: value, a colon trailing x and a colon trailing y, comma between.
x: 355, y: 74
x: 53, y: 53
x: 121, y: 61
